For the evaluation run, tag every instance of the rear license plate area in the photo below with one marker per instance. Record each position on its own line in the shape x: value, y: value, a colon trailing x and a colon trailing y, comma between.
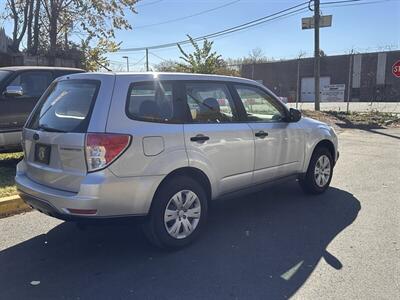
x: 42, y: 153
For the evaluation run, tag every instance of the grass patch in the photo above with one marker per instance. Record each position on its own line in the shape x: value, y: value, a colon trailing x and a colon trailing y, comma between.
x: 8, y: 162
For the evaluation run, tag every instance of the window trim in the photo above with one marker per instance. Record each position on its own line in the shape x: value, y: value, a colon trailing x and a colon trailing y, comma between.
x: 175, y: 92
x: 96, y: 82
x: 183, y: 115
x: 266, y: 91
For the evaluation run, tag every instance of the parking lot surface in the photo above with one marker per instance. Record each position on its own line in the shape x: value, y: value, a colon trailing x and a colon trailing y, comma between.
x: 276, y: 244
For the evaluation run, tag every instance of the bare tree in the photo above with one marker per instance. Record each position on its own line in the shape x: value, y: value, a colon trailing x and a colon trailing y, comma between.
x: 256, y: 55
x: 18, y: 11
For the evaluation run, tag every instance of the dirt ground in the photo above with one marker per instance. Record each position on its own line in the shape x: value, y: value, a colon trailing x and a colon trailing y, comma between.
x: 356, y: 120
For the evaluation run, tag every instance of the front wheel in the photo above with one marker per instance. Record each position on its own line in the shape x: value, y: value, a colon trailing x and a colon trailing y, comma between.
x: 319, y: 172
x: 178, y: 213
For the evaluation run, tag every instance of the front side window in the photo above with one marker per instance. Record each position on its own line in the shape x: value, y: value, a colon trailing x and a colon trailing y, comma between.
x: 151, y: 101
x: 259, y: 106
x: 33, y: 83
x: 210, y: 103
x: 66, y: 106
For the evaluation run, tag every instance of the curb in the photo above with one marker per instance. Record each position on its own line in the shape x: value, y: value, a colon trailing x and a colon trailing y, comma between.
x: 12, y: 205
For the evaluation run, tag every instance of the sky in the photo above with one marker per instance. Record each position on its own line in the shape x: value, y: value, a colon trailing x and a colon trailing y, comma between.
x: 365, y: 28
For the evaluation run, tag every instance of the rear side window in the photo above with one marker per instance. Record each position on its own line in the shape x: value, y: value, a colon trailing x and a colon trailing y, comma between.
x: 210, y: 103
x: 66, y: 106
x: 151, y: 101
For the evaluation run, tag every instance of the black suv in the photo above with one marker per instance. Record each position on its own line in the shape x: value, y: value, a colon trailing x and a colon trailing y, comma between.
x: 20, y: 89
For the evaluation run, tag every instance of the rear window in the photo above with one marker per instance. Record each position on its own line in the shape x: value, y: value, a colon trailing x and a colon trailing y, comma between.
x: 66, y: 106
x: 151, y: 101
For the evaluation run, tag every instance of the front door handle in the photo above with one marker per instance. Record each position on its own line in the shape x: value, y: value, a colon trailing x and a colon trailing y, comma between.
x: 199, y: 138
x: 261, y: 134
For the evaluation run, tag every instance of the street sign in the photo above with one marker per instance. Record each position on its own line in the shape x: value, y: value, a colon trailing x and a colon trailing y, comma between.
x: 324, y: 21
x: 396, y: 69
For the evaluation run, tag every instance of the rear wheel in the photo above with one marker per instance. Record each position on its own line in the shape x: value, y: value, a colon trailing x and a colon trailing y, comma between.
x: 319, y: 172
x: 178, y: 213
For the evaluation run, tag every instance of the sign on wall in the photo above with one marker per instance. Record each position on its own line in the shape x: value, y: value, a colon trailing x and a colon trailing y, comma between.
x: 333, y: 93
x: 396, y: 69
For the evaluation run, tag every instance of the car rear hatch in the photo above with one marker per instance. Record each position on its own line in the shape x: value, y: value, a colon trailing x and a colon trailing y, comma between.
x: 55, y: 134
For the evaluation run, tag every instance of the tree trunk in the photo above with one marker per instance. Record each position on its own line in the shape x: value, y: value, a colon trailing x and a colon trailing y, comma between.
x: 18, y: 33
x: 15, y: 17
x: 53, y: 28
x: 36, y: 30
x: 15, y: 44
x: 66, y: 40
x: 29, y: 28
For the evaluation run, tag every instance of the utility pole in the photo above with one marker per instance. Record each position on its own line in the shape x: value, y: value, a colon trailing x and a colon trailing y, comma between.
x: 127, y: 62
x: 147, y: 59
x: 316, y: 55
x: 298, y: 81
x: 349, y: 88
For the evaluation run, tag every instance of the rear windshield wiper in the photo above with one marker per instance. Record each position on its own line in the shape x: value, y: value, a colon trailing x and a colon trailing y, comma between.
x: 49, y: 129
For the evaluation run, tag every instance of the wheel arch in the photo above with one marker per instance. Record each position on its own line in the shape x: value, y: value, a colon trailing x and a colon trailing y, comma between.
x: 326, y: 144
x: 192, y: 172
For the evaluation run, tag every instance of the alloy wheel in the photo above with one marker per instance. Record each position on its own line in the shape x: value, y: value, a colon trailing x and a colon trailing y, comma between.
x: 322, y: 171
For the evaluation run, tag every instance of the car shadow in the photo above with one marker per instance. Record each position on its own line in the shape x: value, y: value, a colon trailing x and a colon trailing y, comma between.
x: 263, y: 245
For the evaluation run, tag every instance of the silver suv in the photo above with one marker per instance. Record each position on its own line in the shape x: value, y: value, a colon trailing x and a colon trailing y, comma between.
x: 162, y: 145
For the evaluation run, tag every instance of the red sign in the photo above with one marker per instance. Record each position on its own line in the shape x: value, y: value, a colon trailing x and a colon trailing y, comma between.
x: 396, y: 69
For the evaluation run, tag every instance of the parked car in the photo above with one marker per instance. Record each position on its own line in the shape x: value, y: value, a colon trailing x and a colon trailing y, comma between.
x: 162, y: 145
x: 20, y: 89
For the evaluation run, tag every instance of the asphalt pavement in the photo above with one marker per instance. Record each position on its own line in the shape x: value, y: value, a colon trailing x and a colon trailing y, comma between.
x: 276, y: 244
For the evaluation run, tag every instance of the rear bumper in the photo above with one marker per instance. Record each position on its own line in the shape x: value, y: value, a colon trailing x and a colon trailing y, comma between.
x: 48, y: 209
x: 103, y: 193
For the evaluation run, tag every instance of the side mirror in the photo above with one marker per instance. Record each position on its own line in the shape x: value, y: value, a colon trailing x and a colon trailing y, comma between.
x: 14, y: 91
x: 294, y: 115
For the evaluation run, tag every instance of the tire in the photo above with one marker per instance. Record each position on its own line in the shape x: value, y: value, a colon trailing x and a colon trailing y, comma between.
x: 180, y: 226
x: 317, y: 183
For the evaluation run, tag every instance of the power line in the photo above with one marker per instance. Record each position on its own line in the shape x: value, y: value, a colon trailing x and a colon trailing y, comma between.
x: 124, y: 63
x: 139, y: 61
x: 159, y: 57
x: 188, y: 16
x: 149, y: 3
x: 277, y: 15
x: 343, y: 1
x: 243, y: 26
x: 355, y: 3
x: 223, y: 36
x: 285, y: 16
x: 254, y: 24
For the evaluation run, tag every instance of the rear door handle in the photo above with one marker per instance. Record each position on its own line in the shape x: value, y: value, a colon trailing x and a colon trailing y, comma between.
x: 199, y: 138
x: 261, y: 134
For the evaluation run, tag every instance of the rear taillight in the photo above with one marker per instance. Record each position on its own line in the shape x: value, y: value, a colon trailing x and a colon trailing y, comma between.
x: 103, y: 148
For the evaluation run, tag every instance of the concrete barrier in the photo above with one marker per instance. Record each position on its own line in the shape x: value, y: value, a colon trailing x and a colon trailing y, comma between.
x: 12, y: 205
